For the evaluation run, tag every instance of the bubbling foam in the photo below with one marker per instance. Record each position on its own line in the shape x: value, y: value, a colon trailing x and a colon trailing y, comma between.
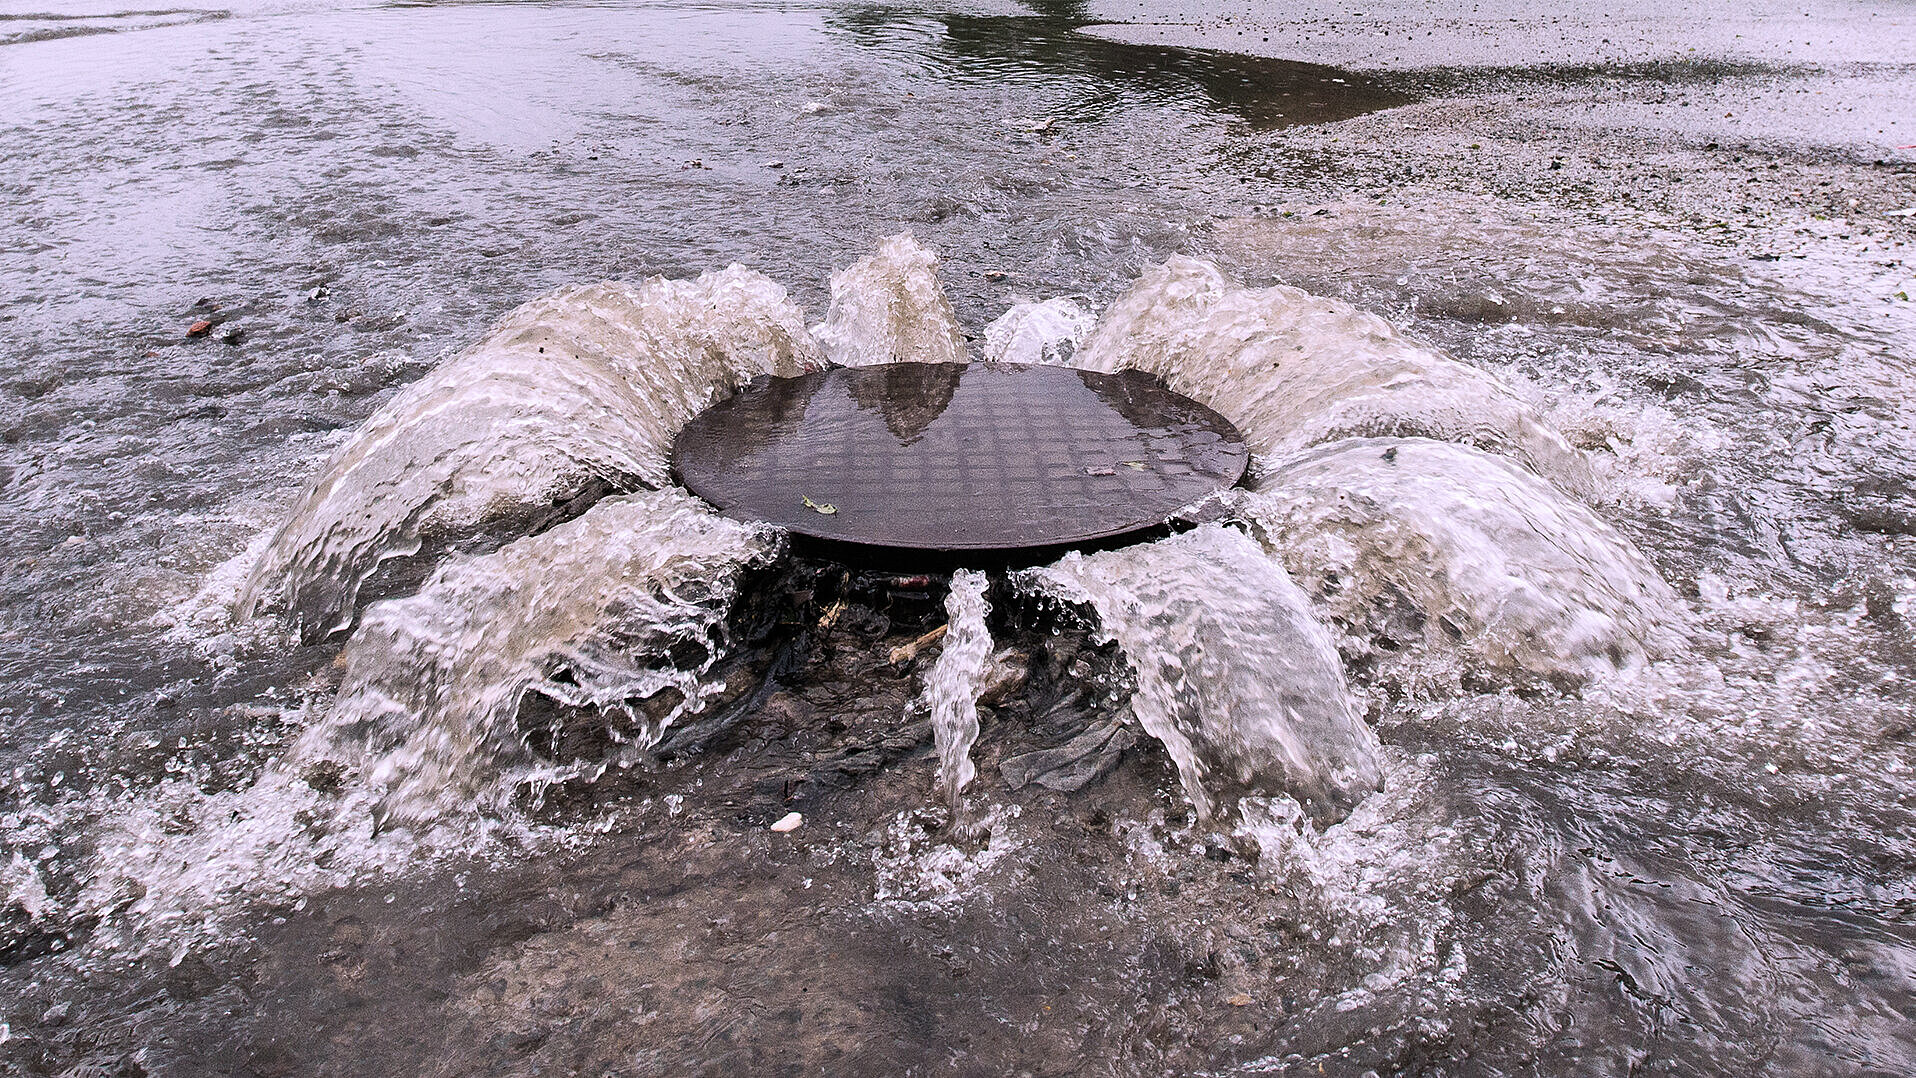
x: 888, y: 307
x: 1048, y: 332
x: 1408, y: 541
x: 591, y: 381
x: 617, y: 610
x: 1293, y: 370
x: 1235, y: 675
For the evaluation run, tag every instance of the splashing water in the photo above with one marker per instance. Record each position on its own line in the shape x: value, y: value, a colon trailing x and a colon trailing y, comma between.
x: 178, y: 869
x: 1047, y: 332
x: 1293, y: 370
x: 888, y: 307
x: 588, y: 382
x: 616, y: 610
x: 952, y: 687
x: 615, y: 615
x: 1235, y: 675
x: 1412, y: 541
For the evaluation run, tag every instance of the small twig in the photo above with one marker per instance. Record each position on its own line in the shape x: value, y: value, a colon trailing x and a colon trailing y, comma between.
x: 907, y: 652
x: 831, y: 615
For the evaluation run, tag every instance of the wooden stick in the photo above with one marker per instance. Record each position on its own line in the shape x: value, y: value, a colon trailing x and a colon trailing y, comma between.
x: 907, y: 652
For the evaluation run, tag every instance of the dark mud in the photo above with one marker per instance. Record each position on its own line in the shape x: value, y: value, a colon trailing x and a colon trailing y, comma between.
x: 1097, y: 928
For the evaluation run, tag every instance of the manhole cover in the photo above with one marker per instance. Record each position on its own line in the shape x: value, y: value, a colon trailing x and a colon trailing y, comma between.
x: 958, y: 457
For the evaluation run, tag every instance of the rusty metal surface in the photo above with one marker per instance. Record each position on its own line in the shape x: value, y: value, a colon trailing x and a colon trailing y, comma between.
x: 958, y: 457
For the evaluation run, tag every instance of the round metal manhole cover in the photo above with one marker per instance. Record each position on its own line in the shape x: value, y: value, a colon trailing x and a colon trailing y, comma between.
x: 958, y: 457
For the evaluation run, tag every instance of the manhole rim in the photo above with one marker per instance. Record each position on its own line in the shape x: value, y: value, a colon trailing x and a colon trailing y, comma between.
x: 1232, y: 475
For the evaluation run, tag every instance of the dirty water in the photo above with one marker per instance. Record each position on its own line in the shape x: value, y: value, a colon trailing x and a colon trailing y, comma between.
x: 1548, y: 717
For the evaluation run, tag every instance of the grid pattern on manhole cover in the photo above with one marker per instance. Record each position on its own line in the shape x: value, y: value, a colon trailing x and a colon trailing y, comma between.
x: 947, y: 456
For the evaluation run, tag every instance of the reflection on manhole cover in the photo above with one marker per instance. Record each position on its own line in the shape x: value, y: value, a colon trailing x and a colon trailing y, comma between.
x: 953, y: 456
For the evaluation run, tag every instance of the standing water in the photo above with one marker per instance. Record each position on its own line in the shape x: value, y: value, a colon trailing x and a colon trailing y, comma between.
x: 1541, y: 708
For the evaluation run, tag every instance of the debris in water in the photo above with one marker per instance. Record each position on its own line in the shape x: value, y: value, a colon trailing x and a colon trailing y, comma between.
x: 789, y: 822
x: 822, y: 510
x: 906, y: 652
x: 200, y: 328
x: 1072, y: 765
x: 831, y: 615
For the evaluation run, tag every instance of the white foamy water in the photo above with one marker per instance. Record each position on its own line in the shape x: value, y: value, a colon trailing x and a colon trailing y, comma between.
x: 1292, y: 370
x: 616, y: 614
x: 954, y: 682
x: 616, y: 611
x: 1235, y: 675
x: 888, y: 307
x: 591, y: 381
x: 174, y: 870
x: 599, y: 612
x: 1039, y: 332
x: 1413, y: 543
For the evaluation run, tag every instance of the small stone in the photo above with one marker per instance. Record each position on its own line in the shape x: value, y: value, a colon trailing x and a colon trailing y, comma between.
x: 791, y: 821
x: 325, y: 776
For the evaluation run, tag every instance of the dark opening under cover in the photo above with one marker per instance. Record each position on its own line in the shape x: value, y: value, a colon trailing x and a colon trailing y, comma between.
x: 958, y: 457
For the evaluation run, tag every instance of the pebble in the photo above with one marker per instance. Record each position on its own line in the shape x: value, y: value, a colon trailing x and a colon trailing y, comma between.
x: 788, y: 822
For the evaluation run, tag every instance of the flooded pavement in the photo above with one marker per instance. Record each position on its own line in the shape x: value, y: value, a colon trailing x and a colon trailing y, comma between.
x: 1553, y: 711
